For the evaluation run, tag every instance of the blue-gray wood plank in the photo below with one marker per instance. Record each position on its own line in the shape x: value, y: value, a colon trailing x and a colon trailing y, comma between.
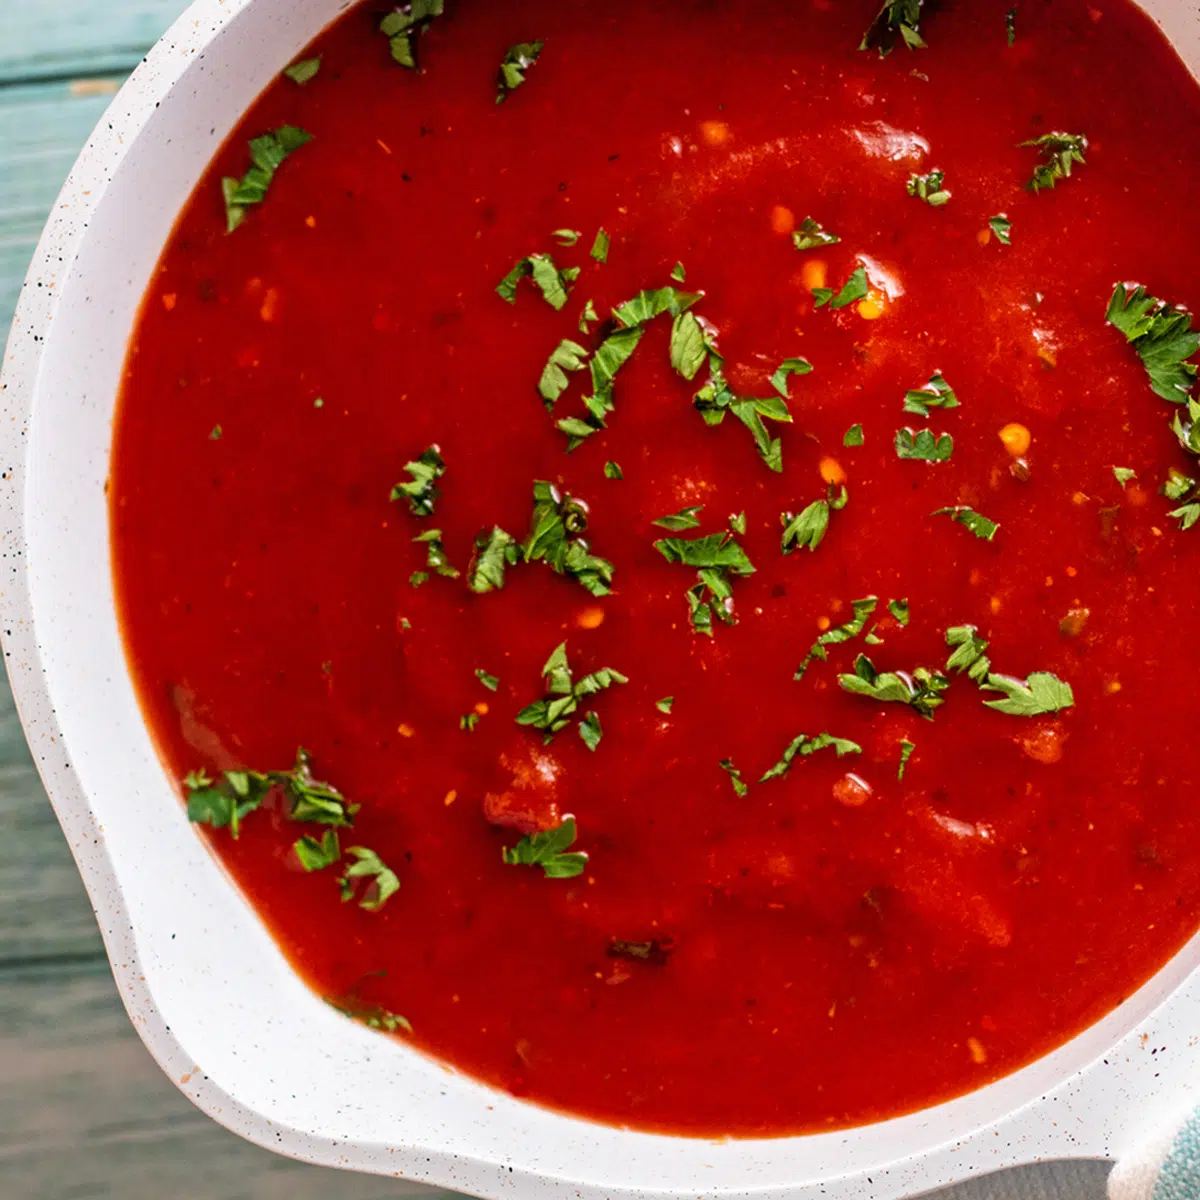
x: 83, y: 1109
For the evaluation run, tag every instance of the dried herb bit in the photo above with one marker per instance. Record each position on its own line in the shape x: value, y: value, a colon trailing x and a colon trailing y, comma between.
x: 735, y: 776
x: 655, y: 951
x: 930, y: 188
x: 1164, y: 339
x: 547, y: 850
x: 803, y: 746
x: 937, y: 393
x: 1002, y: 228
x: 863, y: 611
x: 613, y: 470
x: 690, y: 345
x: 976, y: 522
x: 590, y: 731
x: 1187, y: 515
x: 311, y: 800
x: 601, y: 246
x: 809, y: 528
x: 1178, y: 485
x: 404, y: 24
x: 785, y: 370
x: 383, y: 882
x: 491, y: 682
x: 553, y: 283
x: 665, y: 704
x: 494, y: 552
x: 1123, y: 475
x: 266, y: 154
x: 897, y: 20
x: 717, y: 558
x: 906, y: 749
x: 685, y: 518
x: 567, y: 356
x: 854, y: 436
x: 373, y: 1017
x: 1060, y: 152
x: 555, y: 538
x: 314, y: 855
x: 304, y: 70
x: 968, y: 652
x: 811, y: 235
x: 436, y: 560
x: 422, y: 492
x: 855, y: 288
x: 924, y: 444
x: 922, y: 689
x: 614, y: 352
x: 737, y: 523
x: 1039, y: 694
x: 553, y: 713
x: 513, y: 66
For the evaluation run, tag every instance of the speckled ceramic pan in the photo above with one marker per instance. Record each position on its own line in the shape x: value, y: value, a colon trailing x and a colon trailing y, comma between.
x: 205, y: 986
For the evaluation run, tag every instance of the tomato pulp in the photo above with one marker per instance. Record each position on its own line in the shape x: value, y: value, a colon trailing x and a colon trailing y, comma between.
x: 836, y: 945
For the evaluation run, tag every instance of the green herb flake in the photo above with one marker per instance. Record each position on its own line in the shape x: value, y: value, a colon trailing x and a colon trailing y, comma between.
x: 372, y: 1016
x: 304, y: 70
x: 494, y: 551
x: 1164, y: 339
x: 513, y: 66
x: 863, y: 611
x: 679, y: 273
x: 421, y: 491
x: 590, y: 731
x: 553, y: 713
x: 382, y: 882
x: 785, y: 370
x: 718, y: 558
x: 613, y: 470
x: 1123, y: 475
x: 740, y: 786
x: 665, y: 704
x: 436, y: 559
x: 906, y: 749
x: 854, y: 436
x: 548, y: 850
x: 567, y: 356
x: 1041, y: 693
x: 900, y: 611
x: 807, y: 531
x: 929, y: 188
x: 1060, y: 152
x: 468, y: 722
x: 968, y: 652
x: 811, y: 235
x: 267, y: 154
x: 601, y: 246
x: 937, y: 393
x: 314, y: 855
x: 491, y: 682
x: 898, y: 21
x: 588, y: 317
x: 404, y: 24
x: 1187, y: 515
x: 1002, y: 228
x: 803, y: 746
x: 1010, y: 25
x: 737, y: 523
x: 976, y: 522
x: 685, y: 518
x: 924, y: 445
x: 555, y: 538
x: 922, y: 689
x: 855, y: 288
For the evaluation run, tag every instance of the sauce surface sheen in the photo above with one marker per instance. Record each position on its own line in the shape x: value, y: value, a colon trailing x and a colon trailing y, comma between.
x: 831, y: 964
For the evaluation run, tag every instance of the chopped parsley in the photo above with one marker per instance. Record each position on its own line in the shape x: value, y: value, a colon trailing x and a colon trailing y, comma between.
x: 906, y: 749
x: 930, y: 188
x: 491, y: 682
x: 373, y: 1017
x: 900, y: 611
x: 811, y: 235
x: 566, y: 237
x: 548, y: 850
x: 304, y: 70
x: 405, y: 23
x: 1041, y: 693
x: 567, y: 356
x: 590, y: 731
x: 737, y: 522
x: 588, y: 317
x: 665, y: 704
x: 1178, y: 485
x: 1002, y: 228
x: 494, y: 552
x: 468, y: 722
x: 513, y: 66
x: 897, y: 21
x: 553, y: 713
x: 266, y: 155
x: 314, y: 855
x: 555, y: 538
x: 421, y: 491
x: 1060, y: 152
x: 976, y: 522
x: 679, y: 273
x: 922, y: 689
x: 601, y: 246
x: 718, y: 558
x: 855, y: 288
x: 553, y: 283
x: 1123, y: 475
x: 735, y: 776
x: 937, y: 393
x: 967, y: 652
x: 863, y: 610
x: 382, y: 881
x: 613, y: 470
x: 436, y: 559
x: 690, y: 345
x: 809, y: 528
x: 685, y: 518
x: 1163, y: 337
x: 785, y: 370
x: 803, y: 746
x: 613, y: 353
x: 854, y: 436
x: 924, y: 444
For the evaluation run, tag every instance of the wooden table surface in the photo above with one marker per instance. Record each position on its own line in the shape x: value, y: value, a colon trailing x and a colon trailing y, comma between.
x: 84, y: 1112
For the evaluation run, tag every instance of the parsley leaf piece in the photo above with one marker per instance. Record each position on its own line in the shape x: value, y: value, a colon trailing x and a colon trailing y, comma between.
x: 810, y: 235
x: 896, y: 20
x: 653, y: 302
x: 468, y: 722
x: 923, y: 445
x: 601, y: 246
x: 1060, y: 152
x: 311, y: 800
x: 1010, y: 25
x: 567, y: 237
x: 373, y: 1017
x: 1123, y: 475
x: 689, y: 345
x: 316, y: 855
x: 855, y: 288
x: 436, y: 558
x: 590, y: 731
x: 937, y: 393
x: 679, y: 273
x: 493, y: 552
x: 1002, y: 228
x: 226, y: 804
x: 786, y: 369
x: 304, y: 70
x: 612, y: 470
x: 906, y: 749
x: 555, y: 537
x: 384, y: 882
x: 541, y: 268
x: 737, y: 523
x: 421, y: 492
x: 715, y: 400
x: 547, y: 849
x: 266, y: 154
x: 803, y: 746
x: 922, y: 689
x: 1041, y: 693
x: 929, y: 188
x: 900, y: 611
x: 665, y: 704
x: 1163, y: 337
x: 854, y: 436
x: 968, y: 652
x: 735, y: 776
x: 685, y: 518
x: 567, y: 356
x: 717, y: 557
x: 513, y: 66
x: 406, y: 22
x: 1187, y: 515
x: 809, y: 528
x: 976, y: 522
x: 1178, y: 485
x: 863, y: 610
x: 553, y: 713
x: 588, y: 317
x: 491, y: 682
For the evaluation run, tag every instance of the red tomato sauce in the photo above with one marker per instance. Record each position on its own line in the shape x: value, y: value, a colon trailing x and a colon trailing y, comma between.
x: 831, y: 951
